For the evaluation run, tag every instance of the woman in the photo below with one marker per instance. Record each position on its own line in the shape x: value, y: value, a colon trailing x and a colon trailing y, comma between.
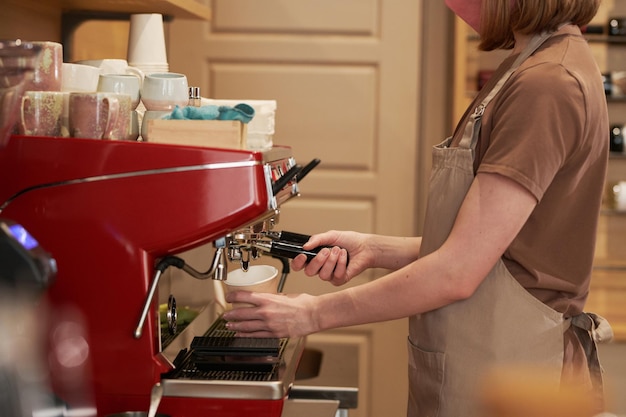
x: 502, y: 271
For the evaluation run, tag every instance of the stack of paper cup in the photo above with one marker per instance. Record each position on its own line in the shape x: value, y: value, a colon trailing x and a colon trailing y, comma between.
x: 146, y: 43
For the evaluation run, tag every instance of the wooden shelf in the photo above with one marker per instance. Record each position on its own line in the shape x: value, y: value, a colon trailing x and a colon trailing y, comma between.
x: 618, y: 40
x: 185, y: 9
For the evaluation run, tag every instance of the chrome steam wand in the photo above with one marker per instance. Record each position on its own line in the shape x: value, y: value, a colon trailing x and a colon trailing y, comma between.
x: 217, y: 271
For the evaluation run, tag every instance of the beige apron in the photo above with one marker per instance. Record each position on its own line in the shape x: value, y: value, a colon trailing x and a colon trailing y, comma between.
x: 502, y: 324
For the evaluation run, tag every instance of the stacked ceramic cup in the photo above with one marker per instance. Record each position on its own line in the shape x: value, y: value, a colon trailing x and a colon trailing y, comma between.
x: 160, y: 94
x: 146, y: 43
x: 41, y: 109
x: 113, y: 66
x: 77, y: 78
x: 103, y: 96
x: 127, y: 85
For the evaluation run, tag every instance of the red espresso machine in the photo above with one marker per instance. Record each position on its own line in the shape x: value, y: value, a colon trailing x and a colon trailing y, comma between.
x: 111, y: 213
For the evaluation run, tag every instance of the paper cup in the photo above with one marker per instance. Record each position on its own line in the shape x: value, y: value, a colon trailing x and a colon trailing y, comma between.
x: 146, y: 39
x: 258, y: 278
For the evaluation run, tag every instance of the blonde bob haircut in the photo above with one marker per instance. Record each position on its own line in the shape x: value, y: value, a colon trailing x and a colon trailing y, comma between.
x: 500, y: 18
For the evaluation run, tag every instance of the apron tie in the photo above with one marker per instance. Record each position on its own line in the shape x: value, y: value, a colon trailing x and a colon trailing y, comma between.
x: 591, y: 329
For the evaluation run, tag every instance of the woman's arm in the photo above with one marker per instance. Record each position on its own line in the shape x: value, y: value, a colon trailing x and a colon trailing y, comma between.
x: 365, y: 250
x: 493, y: 212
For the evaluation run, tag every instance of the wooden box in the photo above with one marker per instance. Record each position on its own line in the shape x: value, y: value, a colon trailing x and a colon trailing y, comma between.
x: 206, y: 133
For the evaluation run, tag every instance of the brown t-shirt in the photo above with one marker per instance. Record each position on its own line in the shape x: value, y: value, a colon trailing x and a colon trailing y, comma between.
x: 548, y: 131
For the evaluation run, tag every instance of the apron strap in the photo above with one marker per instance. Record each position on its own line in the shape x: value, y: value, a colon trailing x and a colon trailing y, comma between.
x: 591, y: 329
x: 472, y: 128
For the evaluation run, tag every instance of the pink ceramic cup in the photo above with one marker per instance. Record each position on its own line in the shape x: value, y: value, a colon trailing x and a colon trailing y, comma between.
x: 93, y: 115
x: 41, y: 113
x: 47, y: 75
x: 121, y: 128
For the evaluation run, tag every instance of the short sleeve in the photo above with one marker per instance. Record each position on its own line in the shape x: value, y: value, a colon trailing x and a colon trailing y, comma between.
x: 534, y: 125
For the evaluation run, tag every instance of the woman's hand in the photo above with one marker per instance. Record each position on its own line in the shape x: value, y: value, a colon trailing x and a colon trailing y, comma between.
x: 348, y: 257
x: 273, y: 315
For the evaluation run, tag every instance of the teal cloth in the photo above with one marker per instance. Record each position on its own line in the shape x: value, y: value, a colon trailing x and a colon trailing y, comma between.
x: 241, y: 112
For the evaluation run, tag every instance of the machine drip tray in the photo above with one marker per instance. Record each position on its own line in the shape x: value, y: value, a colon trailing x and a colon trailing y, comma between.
x: 201, y: 373
x: 219, y: 355
x: 262, y: 364
x: 234, y: 346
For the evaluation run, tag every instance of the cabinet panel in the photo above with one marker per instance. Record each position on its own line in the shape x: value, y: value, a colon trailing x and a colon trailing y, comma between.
x: 354, y: 17
x: 338, y: 102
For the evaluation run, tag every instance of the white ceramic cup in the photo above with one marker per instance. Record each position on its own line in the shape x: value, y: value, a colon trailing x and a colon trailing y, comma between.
x: 40, y: 113
x: 134, y: 125
x: 258, y: 278
x: 113, y: 66
x: 79, y: 77
x: 65, y: 117
x: 146, y: 39
x: 145, y: 122
x: 163, y: 91
x: 93, y: 115
x: 121, y: 84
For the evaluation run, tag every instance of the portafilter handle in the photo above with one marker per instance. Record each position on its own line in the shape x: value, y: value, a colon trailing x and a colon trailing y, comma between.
x: 289, y: 245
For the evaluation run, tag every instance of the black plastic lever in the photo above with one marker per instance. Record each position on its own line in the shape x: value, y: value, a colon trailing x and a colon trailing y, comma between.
x: 284, y: 180
x: 307, y: 168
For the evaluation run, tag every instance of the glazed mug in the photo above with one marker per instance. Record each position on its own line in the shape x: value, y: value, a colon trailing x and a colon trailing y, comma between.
x: 121, y: 84
x: 113, y: 66
x: 121, y: 127
x: 93, y: 115
x: 47, y: 75
x: 79, y: 78
x: 164, y: 91
x: 134, y: 125
x: 145, y: 122
x: 40, y: 113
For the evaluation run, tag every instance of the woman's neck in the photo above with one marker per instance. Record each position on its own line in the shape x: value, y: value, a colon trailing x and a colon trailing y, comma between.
x: 521, y: 41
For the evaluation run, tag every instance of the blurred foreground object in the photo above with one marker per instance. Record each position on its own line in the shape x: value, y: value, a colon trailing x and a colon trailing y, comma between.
x: 525, y: 392
x: 18, y: 61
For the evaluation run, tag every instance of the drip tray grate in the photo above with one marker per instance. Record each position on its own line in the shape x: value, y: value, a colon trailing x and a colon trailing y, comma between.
x: 219, y: 355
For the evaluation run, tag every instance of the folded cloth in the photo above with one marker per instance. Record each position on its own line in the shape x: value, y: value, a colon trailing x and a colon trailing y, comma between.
x: 241, y: 112
x: 194, y: 113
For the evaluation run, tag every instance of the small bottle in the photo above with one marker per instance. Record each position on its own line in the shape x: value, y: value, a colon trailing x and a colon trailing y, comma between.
x: 194, y: 97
